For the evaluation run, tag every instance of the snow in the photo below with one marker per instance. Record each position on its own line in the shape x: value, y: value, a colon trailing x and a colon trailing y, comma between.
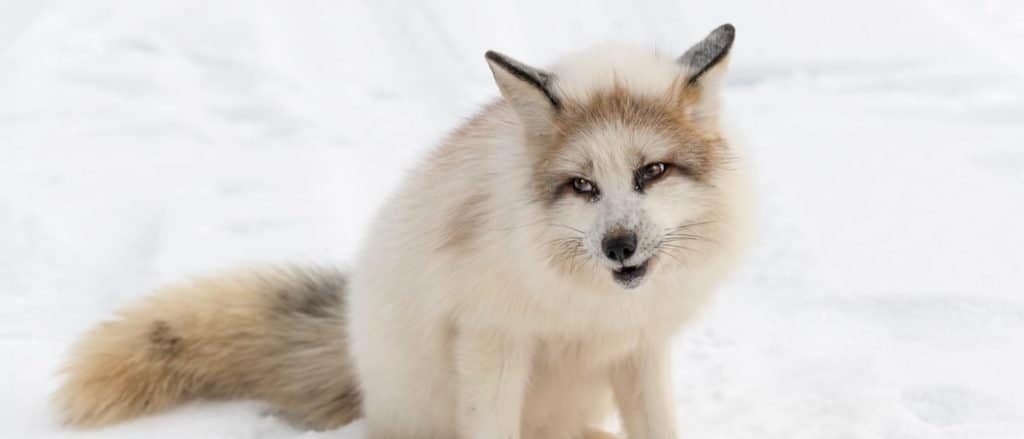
x: 143, y: 142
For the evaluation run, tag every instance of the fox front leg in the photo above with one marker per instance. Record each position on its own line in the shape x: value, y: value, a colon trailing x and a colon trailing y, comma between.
x: 643, y: 391
x: 492, y: 372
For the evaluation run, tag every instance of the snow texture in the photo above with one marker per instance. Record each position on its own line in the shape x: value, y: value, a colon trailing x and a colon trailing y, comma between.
x: 143, y: 142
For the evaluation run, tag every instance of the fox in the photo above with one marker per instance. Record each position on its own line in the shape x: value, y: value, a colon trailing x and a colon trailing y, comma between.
x: 524, y: 280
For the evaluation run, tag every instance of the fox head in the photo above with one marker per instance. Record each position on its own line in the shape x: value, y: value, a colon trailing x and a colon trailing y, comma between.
x: 628, y: 158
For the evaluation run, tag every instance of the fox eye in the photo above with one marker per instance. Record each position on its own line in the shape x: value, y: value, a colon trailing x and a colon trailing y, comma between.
x: 649, y: 173
x: 583, y: 186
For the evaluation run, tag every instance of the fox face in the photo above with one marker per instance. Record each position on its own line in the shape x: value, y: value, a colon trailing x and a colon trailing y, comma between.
x: 626, y: 155
x: 629, y: 188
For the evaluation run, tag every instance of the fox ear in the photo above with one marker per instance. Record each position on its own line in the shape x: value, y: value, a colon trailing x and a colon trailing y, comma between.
x: 704, y: 64
x: 528, y: 90
x: 708, y: 58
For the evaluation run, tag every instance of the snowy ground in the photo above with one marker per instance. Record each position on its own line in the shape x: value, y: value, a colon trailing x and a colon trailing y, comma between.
x: 146, y: 141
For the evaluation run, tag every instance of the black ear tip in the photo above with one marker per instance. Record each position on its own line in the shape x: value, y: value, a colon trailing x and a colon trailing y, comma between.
x: 494, y: 56
x: 725, y: 31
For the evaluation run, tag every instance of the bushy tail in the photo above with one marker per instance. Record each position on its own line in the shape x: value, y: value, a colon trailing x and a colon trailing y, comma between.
x: 276, y: 335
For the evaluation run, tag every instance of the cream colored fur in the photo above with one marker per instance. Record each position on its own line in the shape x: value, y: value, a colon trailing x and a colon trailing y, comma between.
x: 274, y: 334
x: 461, y: 322
x: 460, y: 343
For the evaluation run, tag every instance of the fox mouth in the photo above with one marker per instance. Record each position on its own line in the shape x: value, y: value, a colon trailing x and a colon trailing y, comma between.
x: 630, y: 276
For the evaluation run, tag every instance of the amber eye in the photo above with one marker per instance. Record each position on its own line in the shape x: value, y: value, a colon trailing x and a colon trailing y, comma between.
x: 583, y: 186
x: 651, y: 172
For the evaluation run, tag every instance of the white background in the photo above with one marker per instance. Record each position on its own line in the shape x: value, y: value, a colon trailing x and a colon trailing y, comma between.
x: 142, y: 142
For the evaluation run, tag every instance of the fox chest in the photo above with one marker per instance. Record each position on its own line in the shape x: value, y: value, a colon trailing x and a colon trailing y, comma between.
x: 569, y: 357
x: 570, y: 384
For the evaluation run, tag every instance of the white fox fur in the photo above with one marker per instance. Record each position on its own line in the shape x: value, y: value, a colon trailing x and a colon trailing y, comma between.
x: 486, y: 300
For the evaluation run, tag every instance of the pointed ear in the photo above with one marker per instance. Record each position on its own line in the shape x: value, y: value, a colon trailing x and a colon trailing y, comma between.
x: 528, y: 90
x: 704, y: 65
x: 708, y: 58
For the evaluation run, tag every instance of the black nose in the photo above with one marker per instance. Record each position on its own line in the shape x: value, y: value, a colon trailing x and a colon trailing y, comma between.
x: 619, y: 246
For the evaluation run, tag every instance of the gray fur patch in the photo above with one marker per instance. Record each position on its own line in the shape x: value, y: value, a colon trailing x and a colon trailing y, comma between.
x: 708, y: 52
x: 163, y: 340
x: 533, y: 76
x: 312, y: 293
